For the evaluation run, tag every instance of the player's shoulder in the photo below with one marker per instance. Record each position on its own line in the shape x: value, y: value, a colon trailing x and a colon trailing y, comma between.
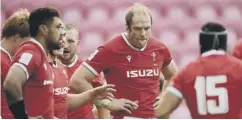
x: 193, y: 67
x: 28, y: 43
x: 114, y: 45
x: 155, y: 43
x: 234, y: 60
x: 5, y: 56
x: 31, y: 45
x: 79, y: 60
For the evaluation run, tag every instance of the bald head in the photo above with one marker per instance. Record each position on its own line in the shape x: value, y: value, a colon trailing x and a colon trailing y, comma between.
x: 138, y: 9
x: 72, y: 43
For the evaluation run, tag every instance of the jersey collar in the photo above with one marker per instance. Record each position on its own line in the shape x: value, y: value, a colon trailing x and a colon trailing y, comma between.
x: 74, y: 62
x: 213, y: 52
x: 10, y: 57
x: 124, y: 36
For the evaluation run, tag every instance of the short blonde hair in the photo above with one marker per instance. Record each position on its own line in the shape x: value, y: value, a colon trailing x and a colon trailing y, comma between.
x: 17, y: 24
x: 137, y: 8
x: 71, y: 27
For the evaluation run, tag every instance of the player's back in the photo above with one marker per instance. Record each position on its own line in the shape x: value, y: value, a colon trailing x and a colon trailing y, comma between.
x: 211, y: 86
x: 5, y: 65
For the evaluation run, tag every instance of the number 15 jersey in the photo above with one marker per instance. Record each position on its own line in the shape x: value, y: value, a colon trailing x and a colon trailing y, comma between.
x: 212, y: 86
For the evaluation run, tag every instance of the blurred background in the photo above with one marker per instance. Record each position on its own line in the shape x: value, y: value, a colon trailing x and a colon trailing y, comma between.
x: 176, y: 22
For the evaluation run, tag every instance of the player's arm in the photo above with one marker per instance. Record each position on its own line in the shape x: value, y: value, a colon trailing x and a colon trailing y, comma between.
x: 168, y: 72
x: 168, y: 103
x: 171, y: 98
x: 13, y: 85
x: 75, y: 101
x: 102, y: 113
x: 80, y: 82
x: 24, y: 64
x: 82, y: 77
x: 165, y: 78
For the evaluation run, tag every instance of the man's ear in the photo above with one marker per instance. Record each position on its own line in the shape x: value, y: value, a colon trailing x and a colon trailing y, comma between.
x: 44, y: 30
x: 78, y: 42
x: 17, y: 38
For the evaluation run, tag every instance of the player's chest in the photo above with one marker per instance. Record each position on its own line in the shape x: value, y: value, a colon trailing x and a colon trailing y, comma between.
x: 70, y: 71
x: 139, y: 59
x: 44, y: 75
x: 60, y: 78
x: 60, y: 82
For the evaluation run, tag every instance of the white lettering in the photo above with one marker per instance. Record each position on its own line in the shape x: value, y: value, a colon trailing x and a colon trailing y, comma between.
x: 140, y: 73
x: 47, y: 82
x: 143, y: 73
x: 156, y: 72
x: 149, y: 72
x: 134, y: 73
x: 61, y: 91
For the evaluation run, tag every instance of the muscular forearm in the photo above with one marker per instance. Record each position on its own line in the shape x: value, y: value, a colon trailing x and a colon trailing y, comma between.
x: 15, y: 100
x: 75, y: 101
x: 13, y: 92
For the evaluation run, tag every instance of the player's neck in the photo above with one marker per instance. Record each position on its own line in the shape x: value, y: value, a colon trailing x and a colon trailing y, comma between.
x: 131, y: 42
x: 68, y: 62
x: 42, y: 42
x: 7, y: 45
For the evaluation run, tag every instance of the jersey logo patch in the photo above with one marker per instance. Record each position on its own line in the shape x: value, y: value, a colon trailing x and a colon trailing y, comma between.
x: 129, y: 57
x: 25, y: 58
x: 65, y: 73
x: 153, y: 55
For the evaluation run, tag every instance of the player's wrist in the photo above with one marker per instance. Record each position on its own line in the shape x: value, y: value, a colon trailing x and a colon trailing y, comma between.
x: 18, y: 110
x: 104, y: 103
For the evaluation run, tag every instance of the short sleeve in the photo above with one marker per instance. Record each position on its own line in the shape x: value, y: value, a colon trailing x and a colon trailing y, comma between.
x: 99, y: 80
x: 99, y: 61
x: 27, y: 58
x: 237, y: 51
x: 167, y: 57
x: 176, y: 86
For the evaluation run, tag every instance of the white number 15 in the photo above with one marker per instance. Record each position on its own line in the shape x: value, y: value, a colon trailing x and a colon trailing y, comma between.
x: 206, y: 87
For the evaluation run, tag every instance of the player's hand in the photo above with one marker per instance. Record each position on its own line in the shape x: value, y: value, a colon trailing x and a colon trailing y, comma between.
x: 157, y: 102
x: 103, y: 92
x: 123, y: 105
